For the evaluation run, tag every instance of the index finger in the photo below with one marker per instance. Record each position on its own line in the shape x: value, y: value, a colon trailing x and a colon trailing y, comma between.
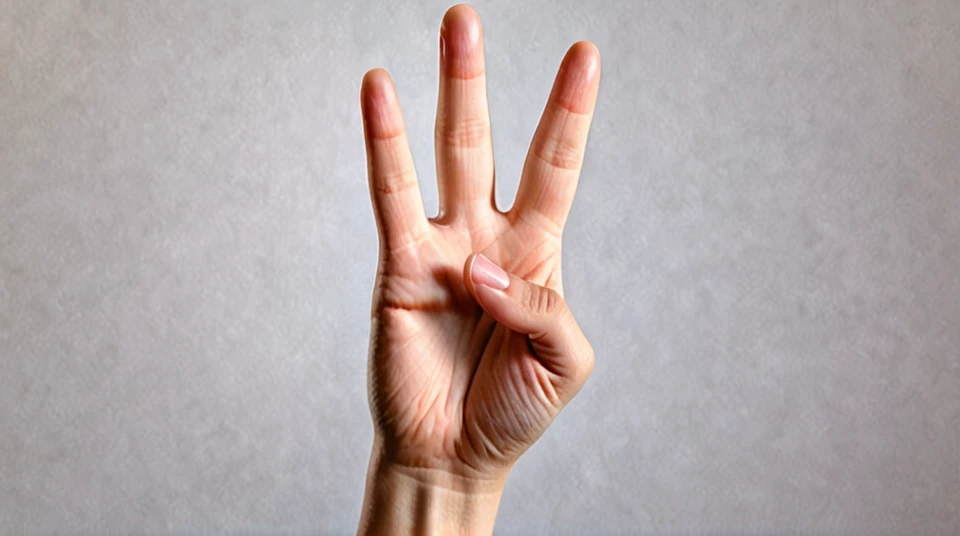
x: 394, y: 189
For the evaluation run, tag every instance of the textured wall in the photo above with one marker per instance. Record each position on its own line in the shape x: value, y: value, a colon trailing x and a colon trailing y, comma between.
x: 765, y: 253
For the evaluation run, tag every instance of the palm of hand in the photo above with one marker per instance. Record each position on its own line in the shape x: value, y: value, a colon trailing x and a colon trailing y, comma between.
x: 434, y: 395
x: 451, y: 388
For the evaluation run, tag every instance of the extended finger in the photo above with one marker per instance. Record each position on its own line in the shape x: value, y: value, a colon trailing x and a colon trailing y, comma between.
x: 394, y: 190
x: 462, y: 136
x: 552, y: 167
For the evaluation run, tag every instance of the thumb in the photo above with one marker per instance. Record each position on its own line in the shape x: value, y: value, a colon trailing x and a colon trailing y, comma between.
x: 536, y: 311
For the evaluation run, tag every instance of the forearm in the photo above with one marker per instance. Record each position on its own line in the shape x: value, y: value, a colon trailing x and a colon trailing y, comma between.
x: 404, y: 500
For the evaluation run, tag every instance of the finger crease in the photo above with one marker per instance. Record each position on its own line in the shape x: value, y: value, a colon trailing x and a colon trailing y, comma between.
x: 559, y: 154
x: 466, y: 133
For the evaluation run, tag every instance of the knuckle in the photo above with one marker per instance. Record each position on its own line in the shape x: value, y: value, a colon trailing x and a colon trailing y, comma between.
x: 466, y: 132
x: 559, y: 153
x: 582, y: 354
x: 587, y: 362
x: 542, y: 301
x: 581, y: 365
x: 395, y: 181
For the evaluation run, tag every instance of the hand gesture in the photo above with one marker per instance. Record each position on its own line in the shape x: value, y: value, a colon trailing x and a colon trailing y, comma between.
x: 473, y: 351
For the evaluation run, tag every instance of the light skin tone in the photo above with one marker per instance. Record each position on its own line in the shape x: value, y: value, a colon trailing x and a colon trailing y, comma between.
x: 473, y: 351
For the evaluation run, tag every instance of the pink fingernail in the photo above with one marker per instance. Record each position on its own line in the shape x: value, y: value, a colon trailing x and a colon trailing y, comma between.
x: 485, y: 272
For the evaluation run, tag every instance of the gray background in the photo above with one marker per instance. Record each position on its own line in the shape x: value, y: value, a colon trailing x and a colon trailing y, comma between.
x: 764, y: 251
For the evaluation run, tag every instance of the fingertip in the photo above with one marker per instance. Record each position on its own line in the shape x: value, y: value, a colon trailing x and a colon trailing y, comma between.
x: 578, y: 78
x: 376, y: 83
x: 379, y: 106
x: 586, y: 54
x: 462, y: 19
x: 461, y: 39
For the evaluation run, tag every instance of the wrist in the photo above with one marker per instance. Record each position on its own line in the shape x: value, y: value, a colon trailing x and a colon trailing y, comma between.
x: 405, y: 499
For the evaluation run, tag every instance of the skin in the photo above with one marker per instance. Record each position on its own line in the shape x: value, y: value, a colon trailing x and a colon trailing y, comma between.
x: 463, y: 376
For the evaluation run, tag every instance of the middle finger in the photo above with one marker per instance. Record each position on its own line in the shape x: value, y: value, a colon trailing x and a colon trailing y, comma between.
x: 464, y: 149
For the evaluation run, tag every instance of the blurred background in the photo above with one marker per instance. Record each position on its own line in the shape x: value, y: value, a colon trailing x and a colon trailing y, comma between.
x: 764, y: 252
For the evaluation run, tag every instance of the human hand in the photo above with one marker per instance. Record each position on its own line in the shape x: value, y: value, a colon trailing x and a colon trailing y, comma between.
x: 468, y: 364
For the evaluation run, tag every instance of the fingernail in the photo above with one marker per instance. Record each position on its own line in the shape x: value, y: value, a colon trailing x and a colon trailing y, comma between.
x: 485, y: 272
